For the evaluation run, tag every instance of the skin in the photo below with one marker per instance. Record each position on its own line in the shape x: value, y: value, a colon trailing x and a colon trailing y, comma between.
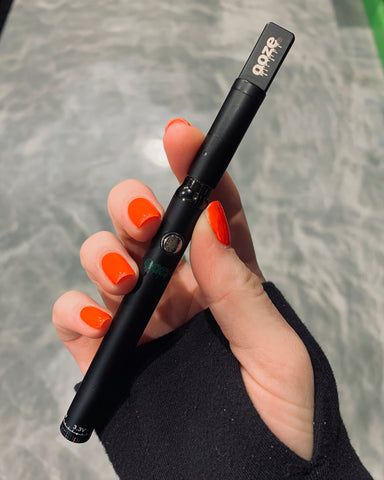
x: 275, y: 365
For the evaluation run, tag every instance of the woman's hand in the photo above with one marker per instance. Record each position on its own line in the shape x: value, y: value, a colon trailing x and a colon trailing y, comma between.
x: 223, y: 275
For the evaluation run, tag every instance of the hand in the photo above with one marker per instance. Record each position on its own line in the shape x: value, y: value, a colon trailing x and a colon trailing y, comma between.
x: 275, y: 365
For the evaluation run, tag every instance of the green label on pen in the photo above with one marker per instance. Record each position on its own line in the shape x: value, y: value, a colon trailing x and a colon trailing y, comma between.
x: 156, y: 269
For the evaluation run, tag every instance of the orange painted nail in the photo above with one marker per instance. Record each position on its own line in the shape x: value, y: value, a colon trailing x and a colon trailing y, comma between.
x: 141, y: 210
x: 218, y: 222
x: 94, y: 317
x: 177, y: 120
x: 116, y: 267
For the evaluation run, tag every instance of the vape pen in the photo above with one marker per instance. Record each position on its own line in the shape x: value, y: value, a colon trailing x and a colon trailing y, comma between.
x: 103, y: 384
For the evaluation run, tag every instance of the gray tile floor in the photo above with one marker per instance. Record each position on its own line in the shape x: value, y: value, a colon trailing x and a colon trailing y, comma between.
x: 85, y: 91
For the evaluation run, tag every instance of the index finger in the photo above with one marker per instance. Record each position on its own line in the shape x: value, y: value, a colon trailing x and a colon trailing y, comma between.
x: 181, y: 143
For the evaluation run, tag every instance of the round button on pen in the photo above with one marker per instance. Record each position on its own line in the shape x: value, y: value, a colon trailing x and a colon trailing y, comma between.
x: 171, y: 243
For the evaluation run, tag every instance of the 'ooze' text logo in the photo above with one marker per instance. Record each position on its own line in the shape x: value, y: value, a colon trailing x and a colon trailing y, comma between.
x: 156, y: 269
x: 267, y: 54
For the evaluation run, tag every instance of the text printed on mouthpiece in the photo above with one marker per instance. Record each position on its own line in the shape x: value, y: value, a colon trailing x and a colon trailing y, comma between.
x: 267, y: 55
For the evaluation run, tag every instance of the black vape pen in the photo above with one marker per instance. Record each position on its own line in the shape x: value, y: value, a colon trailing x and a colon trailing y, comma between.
x: 102, y: 386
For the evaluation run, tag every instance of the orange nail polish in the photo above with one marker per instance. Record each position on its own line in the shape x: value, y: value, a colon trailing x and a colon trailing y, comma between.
x: 94, y: 317
x: 177, y: 120
x: 218, y: 222
x: 116, y: 267
x: 141, y: 210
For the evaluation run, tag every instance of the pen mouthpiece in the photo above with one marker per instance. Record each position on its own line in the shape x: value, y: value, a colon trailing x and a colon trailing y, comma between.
x: 267, y: 56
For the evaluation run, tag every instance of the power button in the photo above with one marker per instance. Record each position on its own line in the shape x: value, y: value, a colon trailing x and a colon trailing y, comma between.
x: 171, y: 243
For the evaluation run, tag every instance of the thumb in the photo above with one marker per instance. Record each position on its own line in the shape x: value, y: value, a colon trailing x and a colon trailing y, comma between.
x: 234, y: 294
x: 275, y: 365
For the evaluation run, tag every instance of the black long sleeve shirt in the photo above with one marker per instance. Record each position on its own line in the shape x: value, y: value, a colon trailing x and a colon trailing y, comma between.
x: 187, y: 415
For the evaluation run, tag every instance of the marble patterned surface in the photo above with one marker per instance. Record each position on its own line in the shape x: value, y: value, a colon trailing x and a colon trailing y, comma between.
x: 86, y: 89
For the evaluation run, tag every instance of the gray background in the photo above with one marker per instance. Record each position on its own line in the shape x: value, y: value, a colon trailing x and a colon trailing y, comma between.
x: 86, y: 89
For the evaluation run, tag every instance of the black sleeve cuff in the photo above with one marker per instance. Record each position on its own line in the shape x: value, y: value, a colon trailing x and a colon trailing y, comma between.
x: 188, y: 416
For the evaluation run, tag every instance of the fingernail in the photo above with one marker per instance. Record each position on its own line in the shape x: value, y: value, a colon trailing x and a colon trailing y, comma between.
x: 177, y: 120
x: 141, y: 210
x: 116, y: 267
x: 218, y: 222
x: 94, y: 317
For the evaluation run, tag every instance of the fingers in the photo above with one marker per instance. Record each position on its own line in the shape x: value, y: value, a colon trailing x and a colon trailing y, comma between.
x: 135, y: 212
x: 81, y: 323
x: 181, y: 143
x: 108, y: 264
x: 136, y: 215
x: 111, y: 261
